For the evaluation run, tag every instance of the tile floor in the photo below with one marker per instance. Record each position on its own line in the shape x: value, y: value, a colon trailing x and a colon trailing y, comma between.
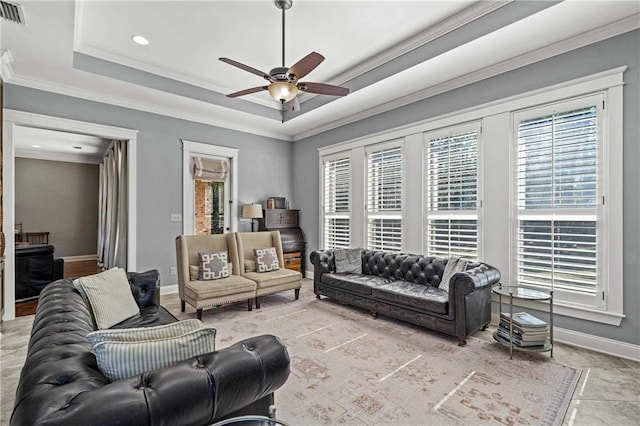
x: 608, y: 392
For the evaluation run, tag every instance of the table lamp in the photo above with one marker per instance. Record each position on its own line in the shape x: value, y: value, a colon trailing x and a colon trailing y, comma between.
x: 253, y: 212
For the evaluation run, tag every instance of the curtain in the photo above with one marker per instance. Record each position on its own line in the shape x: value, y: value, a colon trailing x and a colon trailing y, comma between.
x: 210, y: 169
x: 113, y: 209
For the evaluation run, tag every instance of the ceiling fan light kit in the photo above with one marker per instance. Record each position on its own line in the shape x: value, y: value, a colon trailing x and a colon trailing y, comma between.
x: 284, y: 85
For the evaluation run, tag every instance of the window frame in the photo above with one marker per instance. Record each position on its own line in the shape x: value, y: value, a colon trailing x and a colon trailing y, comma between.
x: 337, y: 215
x: 385, y: 214
x: 428, y: 214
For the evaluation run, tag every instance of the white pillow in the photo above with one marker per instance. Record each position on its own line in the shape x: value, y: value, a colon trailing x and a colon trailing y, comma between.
x: 121, y: 360
x: 454, y: 265
x: 144, y: 333
x: 110, y: 297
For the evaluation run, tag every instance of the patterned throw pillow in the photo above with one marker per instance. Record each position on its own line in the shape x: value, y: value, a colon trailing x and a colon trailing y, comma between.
x: 140, y: 334
x: 194, y: 271
x: 213, y: 265
x: 348, y: 260
x: 110, y: 297
x: 266, y: 259
x: 121, y: 360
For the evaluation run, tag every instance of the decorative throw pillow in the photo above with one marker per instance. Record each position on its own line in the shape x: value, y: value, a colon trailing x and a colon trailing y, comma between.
x: 109, y: 296
x: 348, y: 260
x: 213, y: 265
x: 454, y: 265
x: 121, y: 360
x: 194, y: 271
x: 144, y: 333
x: 249, y: 265
x: 266, y: 259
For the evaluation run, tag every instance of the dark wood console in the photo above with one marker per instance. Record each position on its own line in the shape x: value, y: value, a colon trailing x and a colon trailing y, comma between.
x: 293, y: 243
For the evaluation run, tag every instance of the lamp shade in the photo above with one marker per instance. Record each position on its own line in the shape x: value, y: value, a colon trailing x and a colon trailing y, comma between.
x: 252, y: 211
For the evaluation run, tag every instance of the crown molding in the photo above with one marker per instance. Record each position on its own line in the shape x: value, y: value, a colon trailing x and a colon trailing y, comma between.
x: 57, y: 156
x: 613, y: 29
x: 143, y: 106
x: 462, y: 18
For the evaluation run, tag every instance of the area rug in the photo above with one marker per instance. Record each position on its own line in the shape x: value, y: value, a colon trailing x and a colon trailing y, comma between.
x: 349, y: 368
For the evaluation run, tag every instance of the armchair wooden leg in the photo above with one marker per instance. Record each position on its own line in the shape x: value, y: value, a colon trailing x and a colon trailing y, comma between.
x: 182, y: 306
x: 297, y: 291
x: 199, y: 314
x: 257, y: 303
x: 250, y: 304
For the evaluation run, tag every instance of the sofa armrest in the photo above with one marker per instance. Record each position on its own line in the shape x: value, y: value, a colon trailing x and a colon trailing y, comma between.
x: 470, y: 299
x: 323, y: 261
x: 197, y: 391
x: 145, y: 287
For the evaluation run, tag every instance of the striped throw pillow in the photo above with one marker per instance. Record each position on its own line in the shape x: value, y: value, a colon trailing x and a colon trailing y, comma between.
x: 144, y: 333
x: 110, y: 297
x: 121, y: 360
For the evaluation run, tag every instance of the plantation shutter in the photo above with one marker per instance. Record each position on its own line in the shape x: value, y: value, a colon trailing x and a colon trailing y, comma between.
x: 384, y: 199
x: 452, y: 195
x: 337, y: 187
x: 557, y: 200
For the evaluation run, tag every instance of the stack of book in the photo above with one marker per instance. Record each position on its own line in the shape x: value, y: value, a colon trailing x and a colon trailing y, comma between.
x: 528, y: 330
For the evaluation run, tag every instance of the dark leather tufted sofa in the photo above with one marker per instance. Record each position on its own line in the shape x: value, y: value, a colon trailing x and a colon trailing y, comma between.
x: 405, y: 287
x: 60, y: 383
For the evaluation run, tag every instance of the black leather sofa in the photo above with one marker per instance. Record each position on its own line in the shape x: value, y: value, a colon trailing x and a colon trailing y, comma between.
x: 35, y: 268
x: 60, y: 383
x: 405, y: 287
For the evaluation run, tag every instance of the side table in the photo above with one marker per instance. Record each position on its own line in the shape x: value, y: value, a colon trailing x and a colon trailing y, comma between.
x: 519, y: 292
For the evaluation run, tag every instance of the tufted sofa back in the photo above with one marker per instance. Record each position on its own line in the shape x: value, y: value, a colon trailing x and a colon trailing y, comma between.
x: 408, y: 267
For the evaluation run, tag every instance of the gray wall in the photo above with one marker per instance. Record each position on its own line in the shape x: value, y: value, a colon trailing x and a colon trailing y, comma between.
x: 61, y: 198
x: 265, y: 167
x: 608, y: 54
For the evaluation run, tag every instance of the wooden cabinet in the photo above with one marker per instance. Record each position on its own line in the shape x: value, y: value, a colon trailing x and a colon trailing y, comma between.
x: 280, y: 218
x: 293, y: 243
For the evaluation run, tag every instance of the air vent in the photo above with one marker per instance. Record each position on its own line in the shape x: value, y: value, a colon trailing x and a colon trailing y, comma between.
x: 11, y: 12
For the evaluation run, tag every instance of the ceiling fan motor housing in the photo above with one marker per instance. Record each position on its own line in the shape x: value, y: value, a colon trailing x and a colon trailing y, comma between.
x: 282, y: 74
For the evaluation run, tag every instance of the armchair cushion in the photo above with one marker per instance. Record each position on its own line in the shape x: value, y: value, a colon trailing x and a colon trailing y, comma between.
x: 123, y: 359
x: 109, y: 296
x: 213, y: 265
x: 233, y: 284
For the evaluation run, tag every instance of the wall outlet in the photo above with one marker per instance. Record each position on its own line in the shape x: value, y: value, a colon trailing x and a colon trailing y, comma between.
x: 172, y: 270
x: 175, y: 217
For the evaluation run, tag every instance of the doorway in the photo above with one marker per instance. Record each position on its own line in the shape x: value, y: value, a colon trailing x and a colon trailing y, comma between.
x: 13, y: 121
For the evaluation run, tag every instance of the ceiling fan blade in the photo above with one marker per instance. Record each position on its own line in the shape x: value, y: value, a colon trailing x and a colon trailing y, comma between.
x: 247, y: 91
x: 246, y: 68
x: 323, y: 89
x: 307, y: 64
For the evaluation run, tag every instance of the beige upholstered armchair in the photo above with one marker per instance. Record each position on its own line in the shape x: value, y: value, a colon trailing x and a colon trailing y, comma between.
x: 211, y: 292
x: 268, y: 282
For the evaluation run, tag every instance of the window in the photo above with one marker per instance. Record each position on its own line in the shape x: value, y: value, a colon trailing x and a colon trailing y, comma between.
x: 558, y: 197
x: 384, y: 198
x: 451, y: 193
x: 336, y: 202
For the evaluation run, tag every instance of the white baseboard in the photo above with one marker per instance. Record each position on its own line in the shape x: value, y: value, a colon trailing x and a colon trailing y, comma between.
x: 597, y: 343
x: 308, y: 274
x: 82, y: 258
x: 591, y: 342
x: 168, y: 289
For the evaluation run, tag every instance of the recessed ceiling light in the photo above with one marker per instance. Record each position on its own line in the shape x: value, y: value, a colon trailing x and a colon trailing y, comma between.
x: 141, y: 40
x: 35, y: 146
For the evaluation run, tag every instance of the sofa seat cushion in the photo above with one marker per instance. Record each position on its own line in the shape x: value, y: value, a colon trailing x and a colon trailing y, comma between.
x: 413, y: 296
x: 274, y: 278
x: 148, y: 317
x: 354, y: 283
x: 233, y: 284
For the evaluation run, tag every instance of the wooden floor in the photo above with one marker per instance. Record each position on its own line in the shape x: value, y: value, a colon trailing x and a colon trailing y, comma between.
x: 71, y: 270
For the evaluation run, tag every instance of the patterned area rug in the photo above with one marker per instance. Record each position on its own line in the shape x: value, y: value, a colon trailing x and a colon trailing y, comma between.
x: 349, y: 368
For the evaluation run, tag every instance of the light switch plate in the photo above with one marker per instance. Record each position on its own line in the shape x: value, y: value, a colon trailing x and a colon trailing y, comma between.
x: 175, y: 217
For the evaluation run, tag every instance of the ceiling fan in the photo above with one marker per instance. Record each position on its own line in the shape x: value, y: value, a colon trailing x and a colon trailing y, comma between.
x: 284, y: 82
